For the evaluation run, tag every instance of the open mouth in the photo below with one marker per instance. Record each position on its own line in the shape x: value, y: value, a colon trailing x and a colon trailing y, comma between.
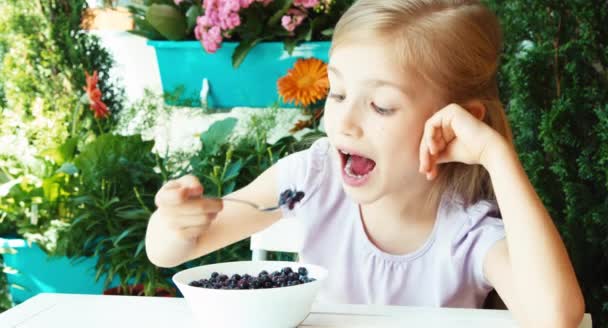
x: 355, y: 165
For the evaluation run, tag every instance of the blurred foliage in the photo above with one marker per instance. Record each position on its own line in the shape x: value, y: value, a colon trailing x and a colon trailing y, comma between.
x: 43, y: 58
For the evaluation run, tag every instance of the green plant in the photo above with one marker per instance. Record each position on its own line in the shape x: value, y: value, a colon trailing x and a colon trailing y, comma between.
x: 246, y: 22
x: 555, y: 80
x: 42, y: 79
x: 5, y: 298
x: 116, y: 186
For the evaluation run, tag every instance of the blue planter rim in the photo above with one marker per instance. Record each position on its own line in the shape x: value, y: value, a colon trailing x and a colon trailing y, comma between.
x: 12, y: 242
x: 228, y: 44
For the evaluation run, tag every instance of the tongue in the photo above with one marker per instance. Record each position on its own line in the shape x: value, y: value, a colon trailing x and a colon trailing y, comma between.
x: 361, y: 165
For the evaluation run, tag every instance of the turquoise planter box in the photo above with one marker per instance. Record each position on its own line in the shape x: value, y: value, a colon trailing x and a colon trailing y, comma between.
x: 39, y: 273
x: 254, y: 84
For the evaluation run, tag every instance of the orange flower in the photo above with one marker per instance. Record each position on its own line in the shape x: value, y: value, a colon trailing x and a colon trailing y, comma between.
x: 305, y: 83
x: 97, y: 106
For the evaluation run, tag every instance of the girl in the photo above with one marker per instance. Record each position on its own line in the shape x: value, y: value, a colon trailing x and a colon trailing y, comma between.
x: 400, y: 196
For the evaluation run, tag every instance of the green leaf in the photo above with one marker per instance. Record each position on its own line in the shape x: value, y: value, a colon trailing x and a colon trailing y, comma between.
x: 286, y: 4
x: 51, y: 189
x: 217, y: 135
x: 63, y: 153
x: 133, y: 214
x: 140, y: 247
x: 233, y: 170
x: 168, y: 20
x: 192, y: 14
x: 229, y: 187
x: 68, y: 168
x: 290, y: 45
x: 328, y: 32
x: 123, y: 235
x: 239, y: 54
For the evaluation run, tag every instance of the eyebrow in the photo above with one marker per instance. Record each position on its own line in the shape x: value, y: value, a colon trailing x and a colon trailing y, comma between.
x: 377, y: 82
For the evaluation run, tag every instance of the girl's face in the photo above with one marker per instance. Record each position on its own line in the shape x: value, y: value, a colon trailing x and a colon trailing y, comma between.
x: 374, y: 118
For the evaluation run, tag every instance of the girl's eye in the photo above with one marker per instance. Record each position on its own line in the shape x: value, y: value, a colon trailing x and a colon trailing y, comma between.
x: 382, y: 111
x: 337, y: 97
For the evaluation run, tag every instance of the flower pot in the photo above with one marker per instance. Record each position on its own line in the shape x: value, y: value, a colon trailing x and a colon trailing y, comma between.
x: 37, y: 272
x: 184, y: 64
x: 117, y: 19
x: 138, y: 290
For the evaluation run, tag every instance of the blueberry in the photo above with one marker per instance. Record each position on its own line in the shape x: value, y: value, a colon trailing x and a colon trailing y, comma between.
x: 222, y: 277
x: 286, y: 270
x: 214, y: 275
x: 298, y: 196
x: 286, y: 196
x: 195, y: 283
x: 263, y: 272
x: 292, y: 276
x: 236, y: 277
x: 302, y: 271
x: 268, y: 284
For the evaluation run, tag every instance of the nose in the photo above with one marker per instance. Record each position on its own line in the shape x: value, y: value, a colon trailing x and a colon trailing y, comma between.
x: 350, y: 121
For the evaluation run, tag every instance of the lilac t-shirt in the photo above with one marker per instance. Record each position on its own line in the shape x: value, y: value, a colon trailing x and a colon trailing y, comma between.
x: 445, y: 271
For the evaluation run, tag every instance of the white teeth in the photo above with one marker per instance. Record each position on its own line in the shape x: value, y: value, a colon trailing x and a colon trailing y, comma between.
x: 344, y: 152
x: 348, y: 170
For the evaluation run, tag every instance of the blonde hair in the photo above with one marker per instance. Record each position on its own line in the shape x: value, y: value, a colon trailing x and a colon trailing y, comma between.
x: 454, y: 47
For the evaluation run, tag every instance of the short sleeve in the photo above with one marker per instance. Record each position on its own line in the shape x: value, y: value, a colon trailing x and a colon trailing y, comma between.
x: 481, y: 230
x: 303, y: 171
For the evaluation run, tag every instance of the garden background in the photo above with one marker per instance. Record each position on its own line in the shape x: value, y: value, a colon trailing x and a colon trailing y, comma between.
x: 79, y: 182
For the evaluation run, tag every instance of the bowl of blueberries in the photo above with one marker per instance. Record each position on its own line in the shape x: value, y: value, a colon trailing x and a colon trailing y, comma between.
x: 251, y: 293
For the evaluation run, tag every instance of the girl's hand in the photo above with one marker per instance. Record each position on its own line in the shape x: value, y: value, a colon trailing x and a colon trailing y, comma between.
x: 182, y: 210
x: 454, y: 135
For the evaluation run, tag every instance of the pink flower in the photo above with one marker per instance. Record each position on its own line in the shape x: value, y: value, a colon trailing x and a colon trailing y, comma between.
x: 177, y: 2
x: 293, y: 19
x: 221, y: 17
x: 306, y: 3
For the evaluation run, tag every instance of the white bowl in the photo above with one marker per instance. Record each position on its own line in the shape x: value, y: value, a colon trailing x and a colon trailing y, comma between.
x: 265, y: 308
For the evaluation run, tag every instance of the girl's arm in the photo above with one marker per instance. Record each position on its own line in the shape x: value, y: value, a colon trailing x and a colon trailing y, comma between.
x: 530, y: 269
x: 186, y: 226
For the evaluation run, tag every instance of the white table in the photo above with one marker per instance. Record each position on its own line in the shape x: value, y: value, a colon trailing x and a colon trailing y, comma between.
x: 77, y: 310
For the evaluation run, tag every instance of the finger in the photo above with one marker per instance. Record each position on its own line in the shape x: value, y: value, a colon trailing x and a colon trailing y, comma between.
x: 191, y: 232
x: 195, y: 206
x: 191, y: 183
x: 186, y: 221
x: 171, y: 184
x: 437, y: 142
x: 433, y: 172
x: 424, y: 152
x: 448, y: 155
x: 171, y: 196
x: 423, y: 155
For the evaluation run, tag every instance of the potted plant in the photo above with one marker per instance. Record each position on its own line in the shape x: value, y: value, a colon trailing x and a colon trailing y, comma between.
x: 241, y: 51
x: 37, y: 138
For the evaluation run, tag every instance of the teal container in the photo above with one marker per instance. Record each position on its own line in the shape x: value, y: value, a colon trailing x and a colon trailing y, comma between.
x: 39, y: 273
x: 184, y: 64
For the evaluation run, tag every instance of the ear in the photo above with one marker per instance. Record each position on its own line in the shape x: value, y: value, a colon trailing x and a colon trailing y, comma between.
x: 476, y: 108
